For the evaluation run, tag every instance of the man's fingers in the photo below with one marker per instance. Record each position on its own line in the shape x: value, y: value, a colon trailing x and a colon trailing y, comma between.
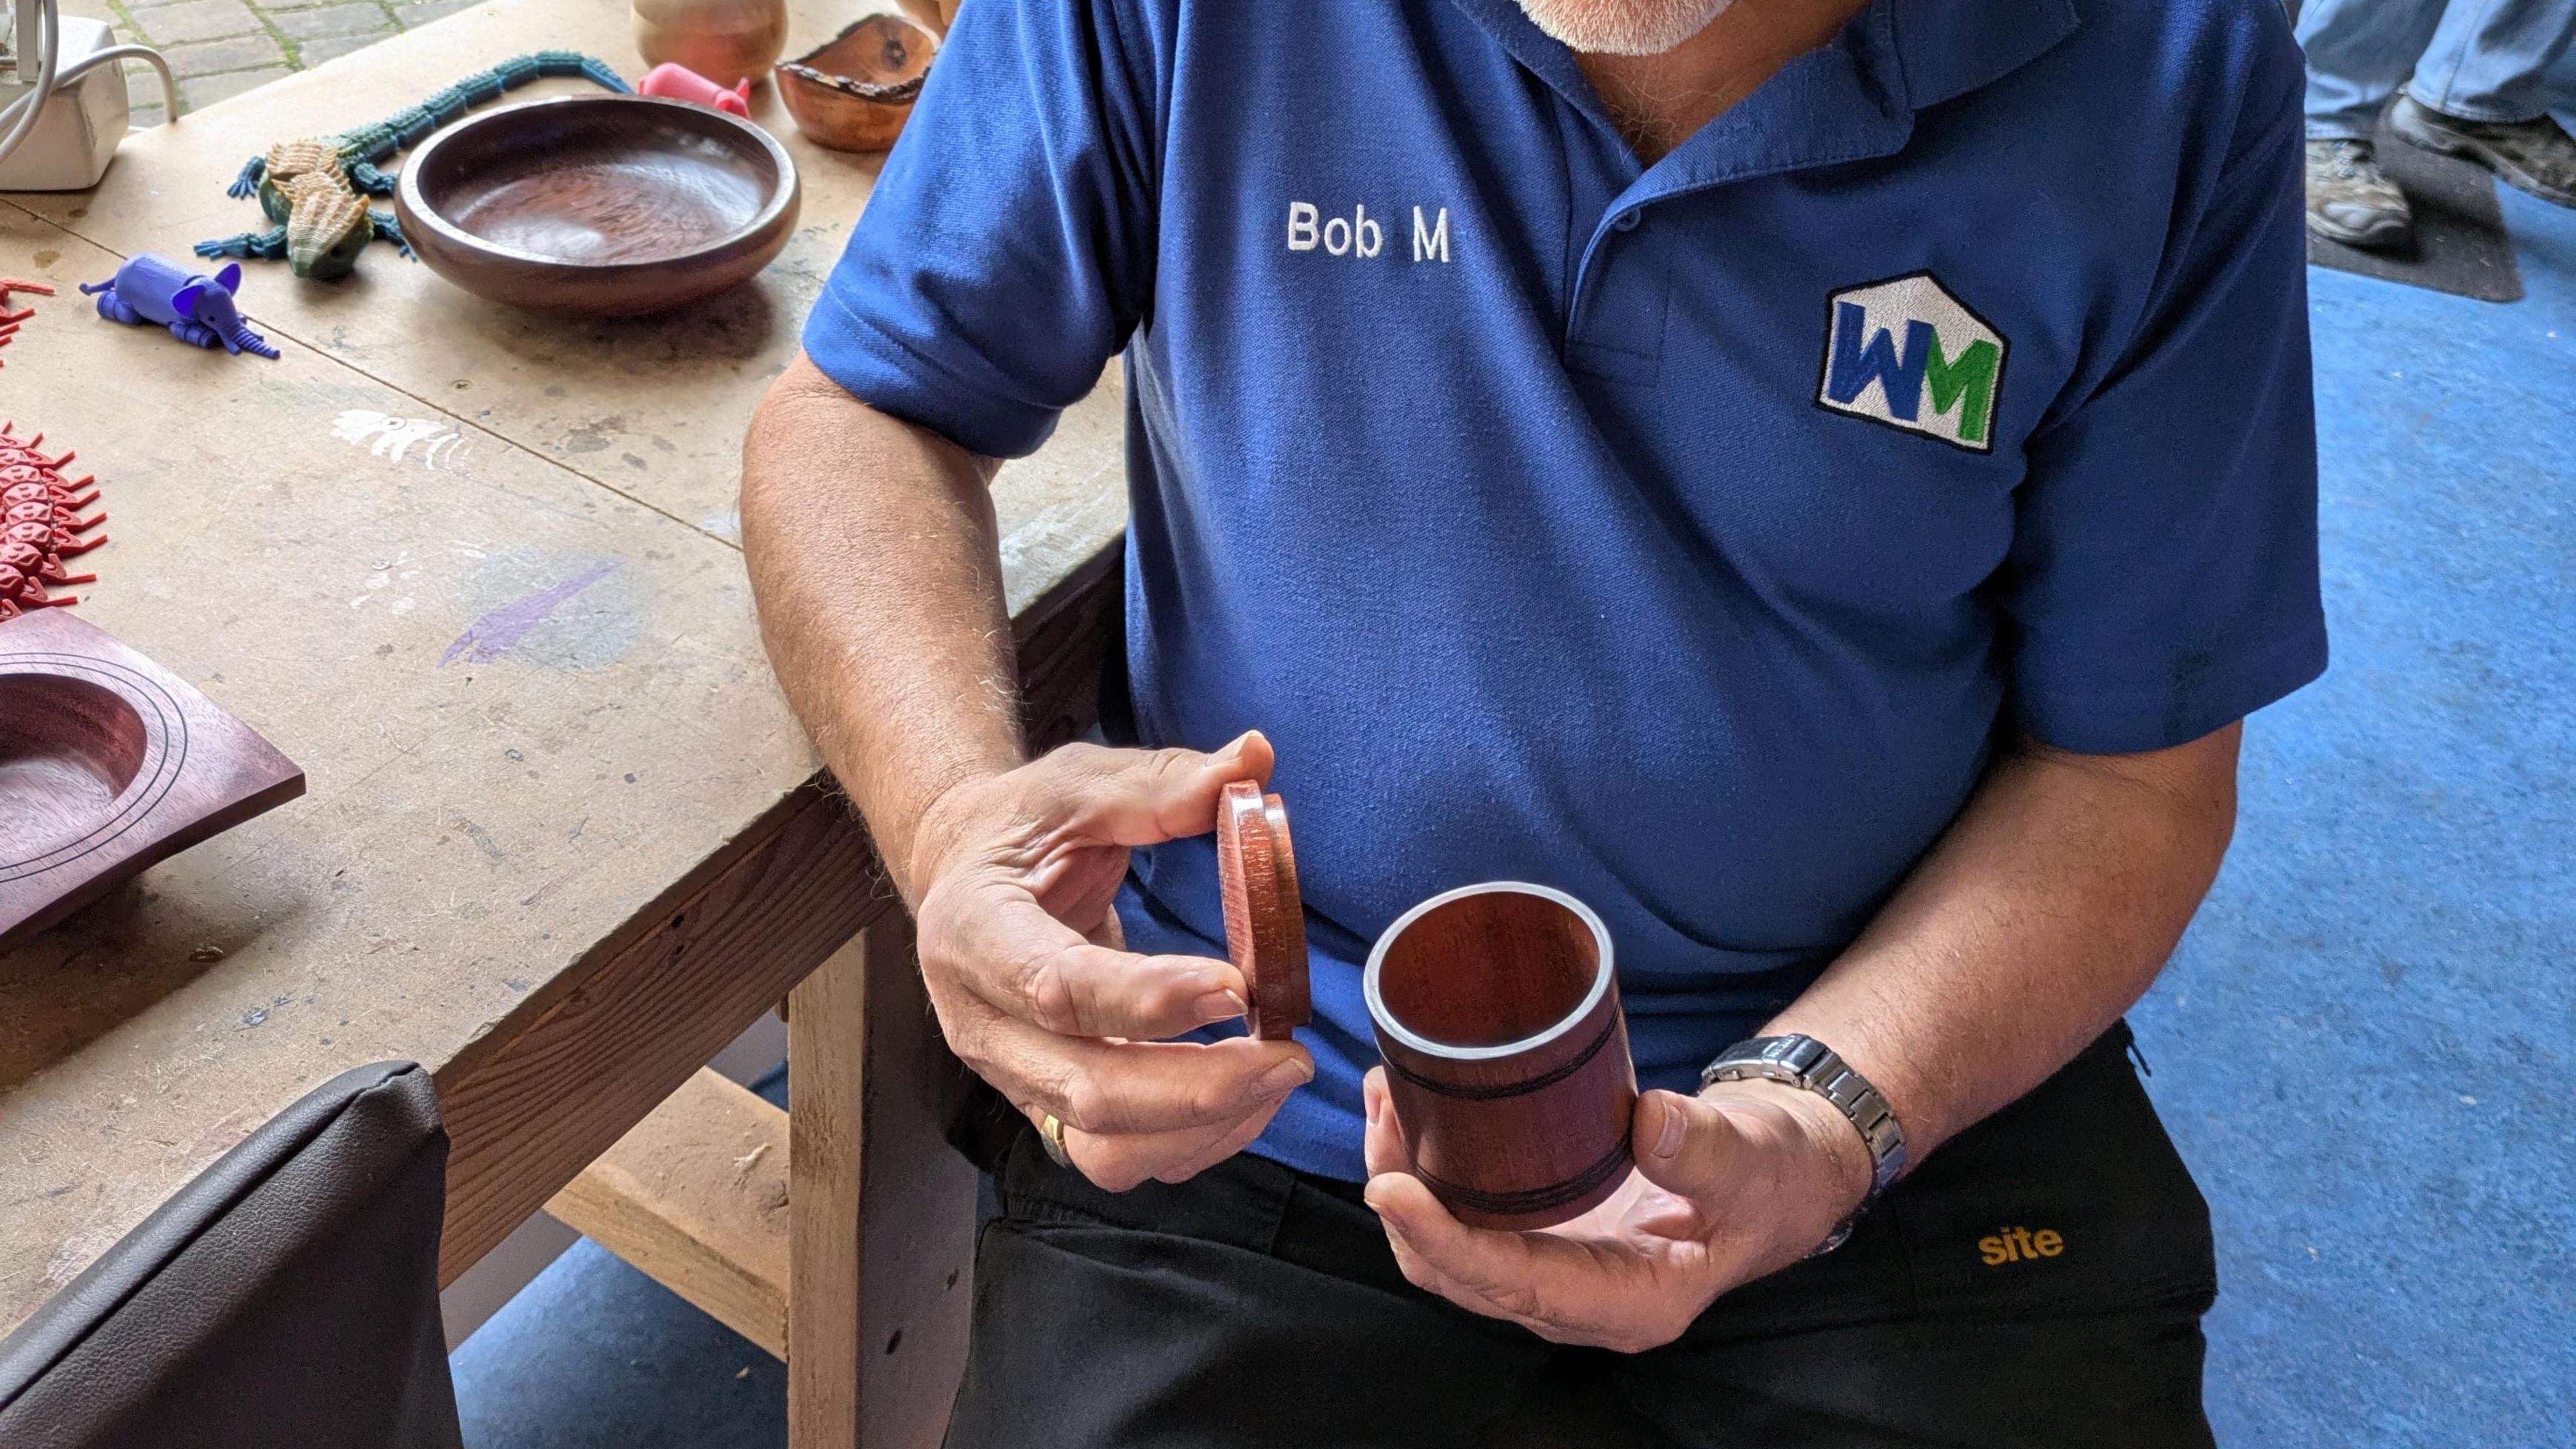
x: 1475, y: 1268
x: 1136, y: 1087
x: 1145, y: 797
x: 1563, y: 1289
x: 1111, y: 932
x: 1184, y: 1162
x: 1382, y: 1148
x: 1119, y: 1161
x: 1034, y: 967
x: 1683, y: 1145
x: 1399, y: 1200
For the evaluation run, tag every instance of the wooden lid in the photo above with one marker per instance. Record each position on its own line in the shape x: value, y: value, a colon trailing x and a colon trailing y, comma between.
x: 1265, y: 921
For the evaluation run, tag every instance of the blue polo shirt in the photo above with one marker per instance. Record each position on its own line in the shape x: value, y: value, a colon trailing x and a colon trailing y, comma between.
x: 1681, y: 536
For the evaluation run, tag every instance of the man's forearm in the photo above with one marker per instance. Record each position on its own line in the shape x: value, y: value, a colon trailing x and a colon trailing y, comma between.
x: 873, y: 553
x: 874, y: 557
x: 2042, y: 914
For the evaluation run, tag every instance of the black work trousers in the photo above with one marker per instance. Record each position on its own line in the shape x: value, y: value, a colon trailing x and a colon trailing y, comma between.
x: 2038, y: 1282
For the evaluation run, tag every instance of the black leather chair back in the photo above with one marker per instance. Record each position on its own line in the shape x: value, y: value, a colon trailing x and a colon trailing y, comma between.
x: 287, y: 1296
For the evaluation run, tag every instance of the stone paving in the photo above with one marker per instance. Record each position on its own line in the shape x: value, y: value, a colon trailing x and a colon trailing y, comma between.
x: 219, y: 48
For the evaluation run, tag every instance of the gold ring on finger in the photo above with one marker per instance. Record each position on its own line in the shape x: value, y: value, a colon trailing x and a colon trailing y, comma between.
x: 1051, y: 1132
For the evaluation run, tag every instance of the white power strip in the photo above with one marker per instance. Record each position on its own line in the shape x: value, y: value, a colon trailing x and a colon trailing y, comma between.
x: 69, y: 147
x: 73, y: 134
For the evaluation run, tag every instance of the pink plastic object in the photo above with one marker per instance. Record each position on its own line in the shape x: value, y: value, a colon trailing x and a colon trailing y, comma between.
x: 673, y: 81
x: 46, y: 493
x: 40, y: 522
x: 35, y: 563
x: 19, y: 593
x: 49, y: 538
x: 47, y: 511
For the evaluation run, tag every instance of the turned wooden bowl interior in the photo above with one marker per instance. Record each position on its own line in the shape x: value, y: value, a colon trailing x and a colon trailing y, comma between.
x: 108, y: 763
x: 855, y: 91
x: 68, y: 749
x: 599, y: 204
x: 1501, y: 969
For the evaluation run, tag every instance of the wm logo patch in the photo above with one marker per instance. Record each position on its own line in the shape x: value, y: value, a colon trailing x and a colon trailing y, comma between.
x: 1906, y: 353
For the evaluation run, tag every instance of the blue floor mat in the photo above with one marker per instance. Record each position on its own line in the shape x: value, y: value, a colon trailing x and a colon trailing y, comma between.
x: 594, y: 1355
x: 2367, y: 1044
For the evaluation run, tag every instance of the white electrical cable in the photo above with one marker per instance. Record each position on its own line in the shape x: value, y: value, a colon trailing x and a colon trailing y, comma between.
x: 27, y: 108
x: 33, y: 102
x: 144, y: 53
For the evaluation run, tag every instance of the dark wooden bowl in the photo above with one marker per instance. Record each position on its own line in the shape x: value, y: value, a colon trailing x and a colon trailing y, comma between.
x: 855, y: 91
x: 1265, y: 917
x: 603, y: 205
x: 109, y: 762
x: 1506, y: 1052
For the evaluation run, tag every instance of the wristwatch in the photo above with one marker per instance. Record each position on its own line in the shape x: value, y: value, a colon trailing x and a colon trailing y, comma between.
x: 1804, y: 1062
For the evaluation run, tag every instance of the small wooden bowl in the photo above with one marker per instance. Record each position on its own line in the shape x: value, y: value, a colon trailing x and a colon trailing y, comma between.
x: 1265, y: 918
x: 603, y: 205
x: 109, y: 762
x: 727, y: 41
x: 1506, y: 1052
x: 855, y: 91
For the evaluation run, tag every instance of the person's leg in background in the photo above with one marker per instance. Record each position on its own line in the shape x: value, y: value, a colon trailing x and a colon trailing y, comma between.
x: 2482, y: 90
x: 2358, y: 53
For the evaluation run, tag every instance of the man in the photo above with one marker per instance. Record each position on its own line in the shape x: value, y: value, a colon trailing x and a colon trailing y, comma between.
x: 2476, y: 76
x: 1817, y: 480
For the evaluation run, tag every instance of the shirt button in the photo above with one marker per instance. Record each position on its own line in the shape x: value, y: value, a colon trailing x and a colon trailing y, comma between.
x: 1625, y: 221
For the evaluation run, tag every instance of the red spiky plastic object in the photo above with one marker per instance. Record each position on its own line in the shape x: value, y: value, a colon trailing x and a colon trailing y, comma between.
x: 17, y: 475
x: 13, y: 453
x: 45, y: 510
x: 35, y: 563
x: 40, y: 519
x: 19, y: 593
x: 57, y: 494
x: 9, y: 320
x: 12, y: 319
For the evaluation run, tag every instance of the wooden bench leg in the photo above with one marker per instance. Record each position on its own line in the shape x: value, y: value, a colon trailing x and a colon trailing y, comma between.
x: 881, y: 1210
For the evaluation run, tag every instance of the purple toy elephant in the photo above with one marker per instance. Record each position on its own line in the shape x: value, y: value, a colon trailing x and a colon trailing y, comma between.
x: 197, y: 309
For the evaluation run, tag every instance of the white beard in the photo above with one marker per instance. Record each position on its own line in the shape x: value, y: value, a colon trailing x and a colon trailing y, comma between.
x: 1623, y: 27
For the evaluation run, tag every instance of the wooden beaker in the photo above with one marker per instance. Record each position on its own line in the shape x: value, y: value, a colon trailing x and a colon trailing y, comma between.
x: 1506, y: 1053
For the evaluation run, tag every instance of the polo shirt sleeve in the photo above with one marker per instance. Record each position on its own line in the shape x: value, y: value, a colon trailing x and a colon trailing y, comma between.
x: 1006, y: 252
x: 2163, y: 574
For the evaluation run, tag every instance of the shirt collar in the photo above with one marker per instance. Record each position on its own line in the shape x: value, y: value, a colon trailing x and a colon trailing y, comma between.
x: 1947, y: 48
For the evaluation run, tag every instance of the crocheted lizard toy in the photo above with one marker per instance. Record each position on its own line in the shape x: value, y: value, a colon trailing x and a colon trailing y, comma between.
x: 312, y: 188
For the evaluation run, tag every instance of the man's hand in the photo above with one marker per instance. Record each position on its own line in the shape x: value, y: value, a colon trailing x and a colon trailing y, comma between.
x: 1020, y: 947
x: 876, y: 559
x: 1740, y: 1181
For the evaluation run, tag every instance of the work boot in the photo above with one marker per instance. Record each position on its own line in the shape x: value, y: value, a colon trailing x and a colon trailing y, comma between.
x: 2533, y: 156
x: 2351, y: 200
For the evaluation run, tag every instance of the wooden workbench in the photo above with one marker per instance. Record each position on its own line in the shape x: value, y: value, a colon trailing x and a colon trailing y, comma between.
x: 477, y: 572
